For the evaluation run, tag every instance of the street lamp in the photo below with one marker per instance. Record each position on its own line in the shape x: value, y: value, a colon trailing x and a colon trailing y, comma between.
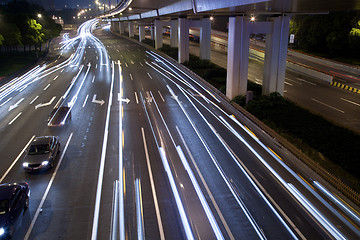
x: 39, y: 15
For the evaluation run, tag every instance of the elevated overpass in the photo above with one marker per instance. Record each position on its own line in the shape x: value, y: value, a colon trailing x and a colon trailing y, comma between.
x: 181, y: 15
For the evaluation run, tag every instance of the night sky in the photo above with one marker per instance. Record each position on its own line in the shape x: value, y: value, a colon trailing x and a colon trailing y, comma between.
x: 60, y: 4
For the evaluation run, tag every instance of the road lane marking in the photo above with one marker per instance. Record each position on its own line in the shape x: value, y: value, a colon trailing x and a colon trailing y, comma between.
x: 55, y: 77
x: 102, y: 164
x: 62, y: 70
x: 302, y: 80
x: 346, y: 100
x: 96, y: 66
x: 47, y: 86
x: 34, y: 100
x: 87, y: 96
x: 161, y: 96
x: 287, y: 83
x: 131, y: 77
x: 16, y: 104
x: 126, y: 64
x: 5, y: 102
x: 141, y: 64
x: 16, y: 159
x: 93, y: 79
x: 12, y: 121
x: 45, y: 104
x: 136, y: 98
x: 149, y: 75
x: 47, y: 190
x: 157, y: 209
x: 327, y: 105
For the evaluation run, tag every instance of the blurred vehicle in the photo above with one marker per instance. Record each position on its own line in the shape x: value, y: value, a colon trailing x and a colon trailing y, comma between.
x: 41, y: 153
x: 59, y: 116
x: 14, y: 200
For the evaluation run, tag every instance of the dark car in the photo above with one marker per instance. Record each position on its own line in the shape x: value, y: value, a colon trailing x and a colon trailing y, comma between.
x: 41, y: 153
x: 59, y: 116
x: 14, y: 200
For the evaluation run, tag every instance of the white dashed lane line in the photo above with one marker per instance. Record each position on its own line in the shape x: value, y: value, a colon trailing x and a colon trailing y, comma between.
x: 47, y: 87
x: 334, y: 108
x: 346, y: 100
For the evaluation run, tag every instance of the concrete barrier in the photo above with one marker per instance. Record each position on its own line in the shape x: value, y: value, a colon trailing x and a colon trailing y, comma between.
x: 309, y: 72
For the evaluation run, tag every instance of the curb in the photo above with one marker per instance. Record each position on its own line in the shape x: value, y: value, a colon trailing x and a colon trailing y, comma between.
x: 345, y: 87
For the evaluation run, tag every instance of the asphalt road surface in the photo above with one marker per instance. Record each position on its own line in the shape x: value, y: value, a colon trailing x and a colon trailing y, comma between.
x: 151, y: 152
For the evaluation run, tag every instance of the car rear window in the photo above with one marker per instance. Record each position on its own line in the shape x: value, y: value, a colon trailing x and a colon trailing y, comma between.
x: 4, y: 205
x: 39, y: 149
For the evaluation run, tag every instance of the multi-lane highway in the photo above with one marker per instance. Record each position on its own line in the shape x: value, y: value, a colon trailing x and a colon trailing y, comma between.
x: 151, y: 152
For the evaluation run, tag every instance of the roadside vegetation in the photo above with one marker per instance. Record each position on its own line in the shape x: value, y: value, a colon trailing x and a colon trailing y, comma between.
x: 24, y: 29
x: 333, y: 147
x: 334, y: 35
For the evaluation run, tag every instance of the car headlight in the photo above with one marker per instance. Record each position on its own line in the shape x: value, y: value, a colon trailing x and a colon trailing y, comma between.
x: 2, y: 231
x: 44, y: 163
x: 25, y: 164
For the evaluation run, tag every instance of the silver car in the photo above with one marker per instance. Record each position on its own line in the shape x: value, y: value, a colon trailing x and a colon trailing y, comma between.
x: 41, y: 153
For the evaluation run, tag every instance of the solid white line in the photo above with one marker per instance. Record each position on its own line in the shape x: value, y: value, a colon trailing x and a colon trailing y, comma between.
x: 5, y: 102
x: 47, y: 190
x: 87, y: 96
x: 34, y: 100
x: 157, y: 210
x: 161, y: 96
x: 149, y: 75
x: 357, y: 104
x: 16, y: 159
x: 136, y: 98
x: 15, y: 118
x: 328, y: 105
x: 102, y: 165
x: 47, y: 87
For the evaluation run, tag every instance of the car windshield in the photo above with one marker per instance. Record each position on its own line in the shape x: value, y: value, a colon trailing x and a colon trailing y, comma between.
x: 39, y: 149
x: 3, y: 206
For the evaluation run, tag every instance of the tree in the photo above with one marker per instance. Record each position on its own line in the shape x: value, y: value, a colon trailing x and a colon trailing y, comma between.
x: 34, y: 33
x: 12, y: 37
x: 354, y: 37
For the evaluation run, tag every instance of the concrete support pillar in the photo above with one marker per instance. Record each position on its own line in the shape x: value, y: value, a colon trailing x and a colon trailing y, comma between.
x: 183, y: 52
x: 174, y: 33
x: 275, y: 56
x: 121, y: 28
x: 131, y: 29
x: 112, y: 26
x: 152, y: 32
x: 158, y: 34
x: 205, y: 39
x: 238, y: 57
x: 141, y: 33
